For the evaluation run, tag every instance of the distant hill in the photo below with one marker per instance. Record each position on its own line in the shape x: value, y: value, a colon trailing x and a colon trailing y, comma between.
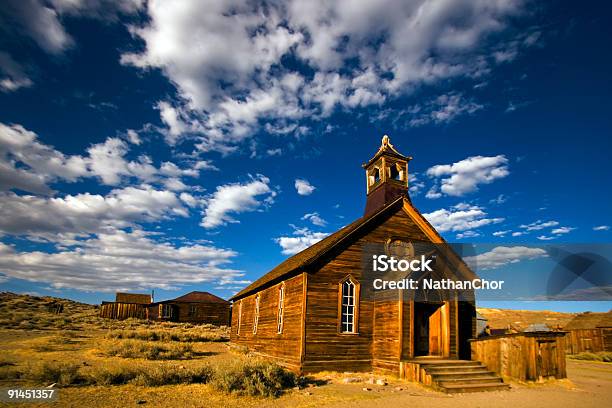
x: 521, y: 319
x: 43, y: 312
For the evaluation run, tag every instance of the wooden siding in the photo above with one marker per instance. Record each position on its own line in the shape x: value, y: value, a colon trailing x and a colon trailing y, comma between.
x: 523, y: 356
x: 120, y: 311
x: 585, y: 340
x: 205, y: 313
x: 284, y: 348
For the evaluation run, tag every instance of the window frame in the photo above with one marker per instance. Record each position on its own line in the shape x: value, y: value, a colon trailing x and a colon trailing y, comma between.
x: 356, y: 296
x: 239, y: 317
x: 256, y: 313
x: 193, y: 310
x: 280, y: 313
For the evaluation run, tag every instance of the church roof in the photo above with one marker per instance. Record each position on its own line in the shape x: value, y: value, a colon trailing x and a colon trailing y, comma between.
x: 300, y: 261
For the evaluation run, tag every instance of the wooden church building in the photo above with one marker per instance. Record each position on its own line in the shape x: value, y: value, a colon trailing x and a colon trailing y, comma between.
x: 317, y: 310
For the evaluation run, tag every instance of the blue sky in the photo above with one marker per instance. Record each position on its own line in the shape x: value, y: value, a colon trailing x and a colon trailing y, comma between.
x: 192, y: 145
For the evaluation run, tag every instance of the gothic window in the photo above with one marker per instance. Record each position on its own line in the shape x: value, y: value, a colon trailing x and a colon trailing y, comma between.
x: 256, y: 315
x: 349, y: 305
x: 281, y: 308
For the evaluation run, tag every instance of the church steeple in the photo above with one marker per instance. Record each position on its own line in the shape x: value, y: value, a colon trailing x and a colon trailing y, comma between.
x: 386, y: 176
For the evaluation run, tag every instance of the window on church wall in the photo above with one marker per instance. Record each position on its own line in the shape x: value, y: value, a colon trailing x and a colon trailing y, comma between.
x: 239, y: 317
x: 256, y: 315
x: 349, y: 305
x: 281, y: 308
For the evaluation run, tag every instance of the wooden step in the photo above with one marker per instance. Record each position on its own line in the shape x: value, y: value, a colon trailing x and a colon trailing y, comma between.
x: 463, y: 374
x: 468, y: 380
x: 461, y: 368
x: 478, y: 387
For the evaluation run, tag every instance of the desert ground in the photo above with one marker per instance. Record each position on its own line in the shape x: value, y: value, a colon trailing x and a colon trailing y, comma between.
x: 94, y: 362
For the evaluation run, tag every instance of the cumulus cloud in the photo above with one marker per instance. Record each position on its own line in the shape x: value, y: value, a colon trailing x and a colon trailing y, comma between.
x: 461, y: 217
x: 29, y: 165
x: 236, y: 198
x: 120, y: 261
x: 315, y: 218
x: 360, y: 54
x: 304, y: 187
x: 85, y: 213
x: 301, y: 239
x: 465, y: 176
x: 503, y: 255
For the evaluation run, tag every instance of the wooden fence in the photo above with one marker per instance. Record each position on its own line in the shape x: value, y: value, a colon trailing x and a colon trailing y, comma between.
x: 523, y: 356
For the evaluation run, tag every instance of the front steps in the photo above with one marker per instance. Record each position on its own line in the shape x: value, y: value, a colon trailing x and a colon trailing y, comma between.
x: 453, y: 376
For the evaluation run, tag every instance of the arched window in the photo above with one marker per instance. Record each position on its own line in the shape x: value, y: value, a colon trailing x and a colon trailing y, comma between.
x: 281, y: 308
x: 256, y: 315
x: 349, y: 305
x: 239, y: 317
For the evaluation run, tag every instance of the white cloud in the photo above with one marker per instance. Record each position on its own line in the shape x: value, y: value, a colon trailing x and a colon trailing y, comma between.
x: 414, y: 184
x: 500, y: 256
x: 315, y: 218
x: 85, y: 213
x: 518, y: 233
x: 463, y: 177
x: 545, y: 238
x: 394, y: 48
x: 119, y: 260
x: 500, y: 199
x: 539, y: 225
x: 443, y: 109
x: 29, y: 165
x: 468, y: 234
x: 601, y: 228
x: 274, y: 152
x: 236, y: 198
x: 501, y: 233
x: 301, y: 239
x: 14, y: 76
x: 462, y: 217
x: 303, y: 187
x: 562, y: 230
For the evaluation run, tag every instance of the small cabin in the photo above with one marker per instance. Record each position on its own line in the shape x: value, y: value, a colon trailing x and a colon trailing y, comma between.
x: 126, y: 305
x: 318, y: 310
x: 589, y: 332
x: 194, y: 307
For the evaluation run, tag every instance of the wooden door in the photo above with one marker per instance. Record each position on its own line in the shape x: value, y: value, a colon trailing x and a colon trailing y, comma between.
x: 546, y: 365
x: 439, y: 340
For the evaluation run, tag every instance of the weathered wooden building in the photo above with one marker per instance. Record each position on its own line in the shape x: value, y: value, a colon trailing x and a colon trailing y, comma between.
x: 589, y: 332
x: 126, y: 305
x: 317, y: 310
x: 194, y: 307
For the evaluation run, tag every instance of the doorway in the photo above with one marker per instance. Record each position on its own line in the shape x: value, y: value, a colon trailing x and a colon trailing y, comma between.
x: 431, y: 329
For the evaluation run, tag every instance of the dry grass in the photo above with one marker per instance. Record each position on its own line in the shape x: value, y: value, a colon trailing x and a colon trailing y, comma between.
x: 182, y: 334
x: 256, y: 378
x: 603, y: 356
x: 147, y: 350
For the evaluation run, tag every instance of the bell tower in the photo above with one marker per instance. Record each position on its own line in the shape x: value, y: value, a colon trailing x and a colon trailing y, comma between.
x: 386, y: 176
